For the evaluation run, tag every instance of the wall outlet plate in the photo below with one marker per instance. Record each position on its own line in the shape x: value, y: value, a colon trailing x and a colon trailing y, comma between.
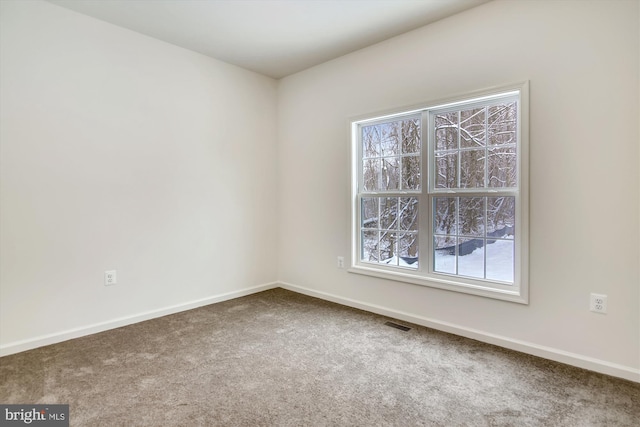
x: 110, y: 278
x: 598, y: 303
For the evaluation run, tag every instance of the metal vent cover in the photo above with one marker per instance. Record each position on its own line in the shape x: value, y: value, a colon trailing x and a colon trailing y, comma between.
x: 397, y: 326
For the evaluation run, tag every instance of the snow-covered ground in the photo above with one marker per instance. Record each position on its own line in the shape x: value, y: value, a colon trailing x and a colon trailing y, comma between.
x: 499, y: 262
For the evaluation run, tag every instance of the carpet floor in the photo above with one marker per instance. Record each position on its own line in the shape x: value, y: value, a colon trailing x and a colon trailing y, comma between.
x: 278, y: 358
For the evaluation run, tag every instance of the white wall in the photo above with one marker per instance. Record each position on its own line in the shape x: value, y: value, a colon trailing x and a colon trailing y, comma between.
x: 122, y: 152
x: 582, y: 62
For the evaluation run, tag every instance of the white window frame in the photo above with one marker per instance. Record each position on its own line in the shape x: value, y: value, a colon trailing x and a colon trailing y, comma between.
x: 424, y: 275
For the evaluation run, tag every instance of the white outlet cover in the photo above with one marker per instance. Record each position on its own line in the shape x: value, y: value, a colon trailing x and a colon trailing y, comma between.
x: 110, y: 278
x: 598, y: 303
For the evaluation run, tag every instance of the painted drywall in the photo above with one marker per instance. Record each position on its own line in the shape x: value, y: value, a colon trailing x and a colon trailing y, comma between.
x: 122, y: 152
x: 581, y: 59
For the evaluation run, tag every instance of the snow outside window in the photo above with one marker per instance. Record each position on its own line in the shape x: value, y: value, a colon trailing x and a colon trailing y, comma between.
x: 440, y: 195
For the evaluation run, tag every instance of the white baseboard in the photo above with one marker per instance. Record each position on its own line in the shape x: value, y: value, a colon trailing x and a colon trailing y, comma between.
x: 557, y: 355
x: 19, y: 346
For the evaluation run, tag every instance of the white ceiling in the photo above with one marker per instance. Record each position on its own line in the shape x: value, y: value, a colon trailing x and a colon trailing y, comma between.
x: 272, y: 37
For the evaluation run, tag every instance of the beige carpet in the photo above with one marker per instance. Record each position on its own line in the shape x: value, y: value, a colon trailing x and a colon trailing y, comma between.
x: 278, y: 358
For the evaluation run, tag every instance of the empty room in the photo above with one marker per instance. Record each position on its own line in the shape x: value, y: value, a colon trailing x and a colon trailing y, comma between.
x: 320, y: 212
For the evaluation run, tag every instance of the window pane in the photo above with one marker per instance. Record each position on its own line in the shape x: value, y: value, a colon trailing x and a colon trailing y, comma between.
x: 370, y: 141
x: 471, y: 218
x: 371, y: 174
x: 388, y: 213
x: 444, y: 215
x: 446, y: 170
x: 447, y: 131
x: 472, y: 164
x: 501, y: 214
x: 408, y: 250
x: 445, y: 244
x: 472, y: 128
x: 502, y: 167
x: 411, y: 136
x: 390, y: 173
x: 411, y: 173
x: 370, y: 246
x: 474, y: 167
x: 382, y: 218
x: 502, y: 124
x: 409, y: 213
x: 369, y: 212
x: 471, y: 257
x: 444, y: 254
x: 500, y: 260
x: 390, y: 134
x: 388, y: 247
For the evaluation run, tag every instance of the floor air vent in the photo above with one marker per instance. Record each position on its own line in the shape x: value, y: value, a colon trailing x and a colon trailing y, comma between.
x: 395, y: 325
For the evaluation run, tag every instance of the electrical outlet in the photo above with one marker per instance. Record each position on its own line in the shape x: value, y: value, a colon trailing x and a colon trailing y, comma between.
x: 340, y: 262
x: 110, y: 278
x: 598, y: 303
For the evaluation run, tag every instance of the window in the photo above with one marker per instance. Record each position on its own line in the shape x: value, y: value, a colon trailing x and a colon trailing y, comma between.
x: 440, y: 195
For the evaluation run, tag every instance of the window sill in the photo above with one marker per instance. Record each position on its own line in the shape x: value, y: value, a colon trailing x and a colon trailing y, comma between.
x: 516, y: 294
